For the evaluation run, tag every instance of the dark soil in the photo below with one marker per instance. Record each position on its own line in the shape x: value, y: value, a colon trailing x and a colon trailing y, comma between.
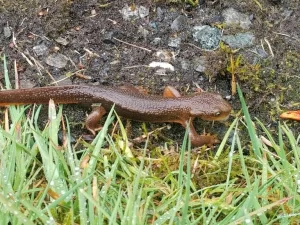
x: 270, y: 85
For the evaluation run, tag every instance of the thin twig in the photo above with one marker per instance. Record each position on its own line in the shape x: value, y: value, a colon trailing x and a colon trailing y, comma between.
x: 90, y: 52
x: 262, y: 45
x: 148, y: 50
x: 65, y: 78
x: 42, y: 37
x: 24, y: 56
x: 16, y: 46
x: 195, y: 46
x: 269, y: 45
x: 286, y: 35
x: 50, y: 75
x: 17, y: 80
x: 38, y: 65
x: 136, y: 66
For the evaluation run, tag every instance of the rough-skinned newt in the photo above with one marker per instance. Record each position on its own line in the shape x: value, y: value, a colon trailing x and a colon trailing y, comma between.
x: 172, y: 107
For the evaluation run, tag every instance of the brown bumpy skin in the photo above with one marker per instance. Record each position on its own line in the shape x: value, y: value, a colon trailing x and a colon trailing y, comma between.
x: 172, y: 107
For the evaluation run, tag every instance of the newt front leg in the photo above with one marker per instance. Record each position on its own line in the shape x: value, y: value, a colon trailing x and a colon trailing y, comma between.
x: 199, y: 140
x: 196, y: 139
x: 92, y: 121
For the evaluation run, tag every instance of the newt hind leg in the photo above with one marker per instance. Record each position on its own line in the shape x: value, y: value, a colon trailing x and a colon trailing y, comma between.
x: 92, y: 121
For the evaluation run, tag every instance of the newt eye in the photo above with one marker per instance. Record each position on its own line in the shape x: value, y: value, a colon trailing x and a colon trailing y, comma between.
x: 217, y: 114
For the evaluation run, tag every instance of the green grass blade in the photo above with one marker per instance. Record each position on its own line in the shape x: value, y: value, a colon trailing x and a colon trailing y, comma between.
x: 256, y: 144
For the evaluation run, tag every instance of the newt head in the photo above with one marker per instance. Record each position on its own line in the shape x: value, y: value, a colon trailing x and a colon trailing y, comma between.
x: 210, y: 106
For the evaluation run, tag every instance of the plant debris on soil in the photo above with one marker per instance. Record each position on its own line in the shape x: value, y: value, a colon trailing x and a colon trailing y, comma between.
x: 213, y: 45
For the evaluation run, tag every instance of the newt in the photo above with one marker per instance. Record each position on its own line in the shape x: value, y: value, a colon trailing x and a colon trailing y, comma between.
x: 132, y: 104
x: 293, y: 115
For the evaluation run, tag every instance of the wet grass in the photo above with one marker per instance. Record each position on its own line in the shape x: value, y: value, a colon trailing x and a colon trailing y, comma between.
x: 46, y: 179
